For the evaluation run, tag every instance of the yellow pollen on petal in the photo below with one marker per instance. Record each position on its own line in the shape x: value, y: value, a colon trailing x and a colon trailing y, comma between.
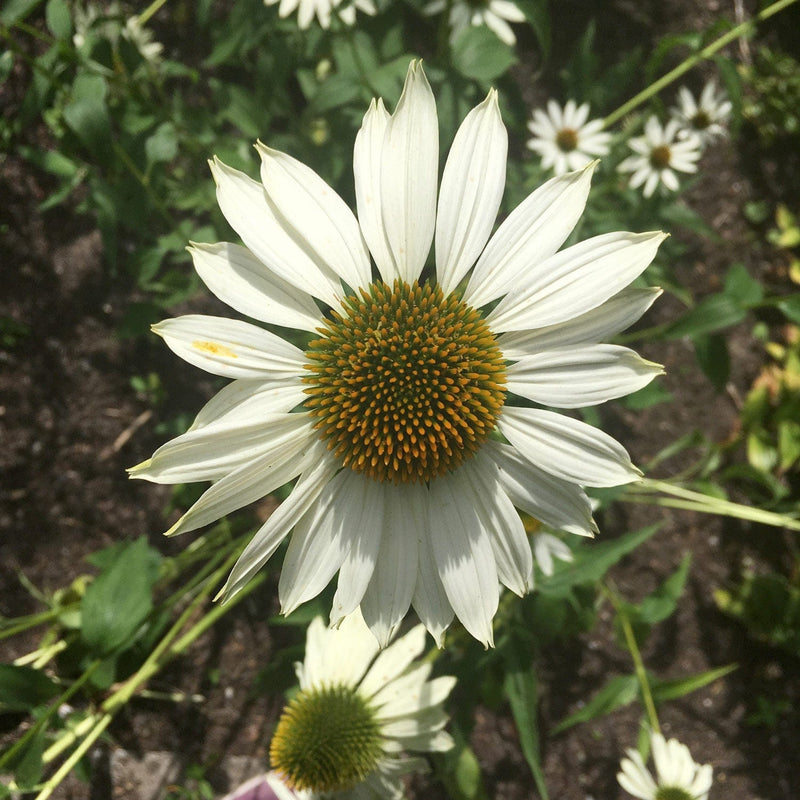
x: 214, y: 348
x: 405, y: 383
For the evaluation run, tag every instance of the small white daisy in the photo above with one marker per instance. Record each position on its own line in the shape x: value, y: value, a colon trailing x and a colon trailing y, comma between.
x: 494, y: 14
x: 322, y: 9
x: 564, y: 139
x: 707, y: 117
x: 678, y: 776
x: 660, y: 153
x: 404, y: 414
x: 346, y: 734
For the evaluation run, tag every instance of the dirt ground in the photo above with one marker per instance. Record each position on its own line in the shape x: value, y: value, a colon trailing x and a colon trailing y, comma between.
x: 71, y: 423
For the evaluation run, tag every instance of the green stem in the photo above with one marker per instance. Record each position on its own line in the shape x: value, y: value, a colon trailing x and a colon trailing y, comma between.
x: 636, y: 655
x: 32, y: 620
x: 150, y: 10
x: 694, y: 59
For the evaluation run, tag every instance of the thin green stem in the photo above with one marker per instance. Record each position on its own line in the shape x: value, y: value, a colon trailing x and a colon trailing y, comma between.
x: 636, y: 655
x: 150, y: 10
x: 32, y: 620
x: 694, y: 59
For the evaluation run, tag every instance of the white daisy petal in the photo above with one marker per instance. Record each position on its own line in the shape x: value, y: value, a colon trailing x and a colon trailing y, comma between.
x: 315, y: 215
x: 231, y: 348
x: 533, y: 231
x: 464, y: 557
x: 244, y: 204
x: 239, y: 279
x: 409, y: 169
x: 392, y: 661
x: 472, y: 187
x: 567, y: 448
x: 575, y: 280
x: 581, y: 376
x: 430, y: 599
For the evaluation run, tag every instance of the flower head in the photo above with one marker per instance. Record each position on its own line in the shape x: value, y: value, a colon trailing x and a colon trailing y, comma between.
x: 564, y: 139
x: 323, y: 10
x: 660, y: 153
x: 494, y: 14
x: 706, y: 117
x: 407, y: 416
x: 678, y: 776
x: 358, y: 713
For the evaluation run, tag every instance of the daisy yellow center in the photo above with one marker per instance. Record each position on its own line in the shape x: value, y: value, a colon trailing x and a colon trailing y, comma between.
x: 405, y: 383
x: 672, y: 793
x: 327, y: 740
x: 660, y: 157
x: 567, y: 140
x: 701, y: 120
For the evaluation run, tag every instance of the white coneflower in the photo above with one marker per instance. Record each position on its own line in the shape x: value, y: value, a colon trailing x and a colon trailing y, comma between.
x: 564, y: 139
x: 390, y: 415
x: 323, y: 10
x: 494, y: 14
x: 660, y: 153
x: 678, y: 777
x: 706, y: 117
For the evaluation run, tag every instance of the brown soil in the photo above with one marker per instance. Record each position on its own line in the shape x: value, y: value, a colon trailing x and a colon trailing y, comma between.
x: 71, y: 424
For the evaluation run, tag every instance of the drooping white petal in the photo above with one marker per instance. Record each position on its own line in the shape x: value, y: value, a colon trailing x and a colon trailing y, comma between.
x: 472, y: 187
x: 558, y: 503
x: 210, y: 452
x: 429, y: 694
x: 607, y: 320
x: 532, y: 232
x: 566, y: 447
x: 409, y: 173
x: 575, y: 280
x: 244, y: 204
x: 574, y: 377
x: 239, y: 279
x: 367, y: 160
x: 635, y: 778
x: 316, y: 217
x: 463, y: 556
x: 230, y: 347
x: 282, y: 460
x: 512, y: 550
x: 392, y: 661
x: 319, y: 544
x: 389, y: 593
x: 362, y: 508
x: 322, y: 467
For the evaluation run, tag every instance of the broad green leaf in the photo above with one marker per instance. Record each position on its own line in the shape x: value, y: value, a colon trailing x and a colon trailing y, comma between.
x: 592, y: 561
x: 617, y: 692
x: 662, y: 602
x: 162, y: 145
x: 651, y: 395
x: 788, y: 442
x: 58, y: 18
x: 16, y: 10
x: 713, y: 358
x: 118, y: 601
x: 679, y: 687
x: 741, y: 287
x: 480, y: 55
x: 28, y: 764
x: 791, y: 307
x: 86, y: 114
x: 24, y: 688
x: 460, y: 771
x: 711, y: 314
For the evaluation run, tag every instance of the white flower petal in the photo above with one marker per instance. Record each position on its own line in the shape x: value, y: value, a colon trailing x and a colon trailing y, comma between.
x: 239, y: 279
x: 472, y: 187
x: 231, y: 348
x: 567, y: 448
x: 463, y: 556
x: 581, y: 376
x: 244, y: 204
x: 534, y: 230
x: 409, y: 170
x: 392, y: 661
x: 607, y: 320
x: 315, y: 216
x: 634, y: 777
x: 367, y: 160
x: 575, y: 280
x: 424, y: 697
x: 430, y: 600
x: 266, y: 540
x: 555, y: 502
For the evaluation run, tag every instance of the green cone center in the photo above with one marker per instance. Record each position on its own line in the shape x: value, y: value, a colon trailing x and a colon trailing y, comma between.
x: 327, y: 740
x: 701, y: 120
x: 660, y: 157
x: 672, y: 793
x: 567, y: 140
x: 405, y: 382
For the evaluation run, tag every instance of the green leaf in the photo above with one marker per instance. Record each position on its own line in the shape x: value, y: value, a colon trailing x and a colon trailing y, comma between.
x: 162, y: 145
x: 460, y: 771
x: 16, y: 10
x: 592, y: 561
x: 480, y: 55
x: 651, y: 395
x: 662, y: 602
x: 679, y: 687
x: 24, y: 688
x: 712, y: 355
x: 118, y: 601
x: 791, y: 308
x: 741, y: 287
x: 617, y: 692
x: 711, y: 314
x: 86, y: 114
x: 28, y: 764
x: 58, y: 19
x: 538, y: 16
x: 520, y: 685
